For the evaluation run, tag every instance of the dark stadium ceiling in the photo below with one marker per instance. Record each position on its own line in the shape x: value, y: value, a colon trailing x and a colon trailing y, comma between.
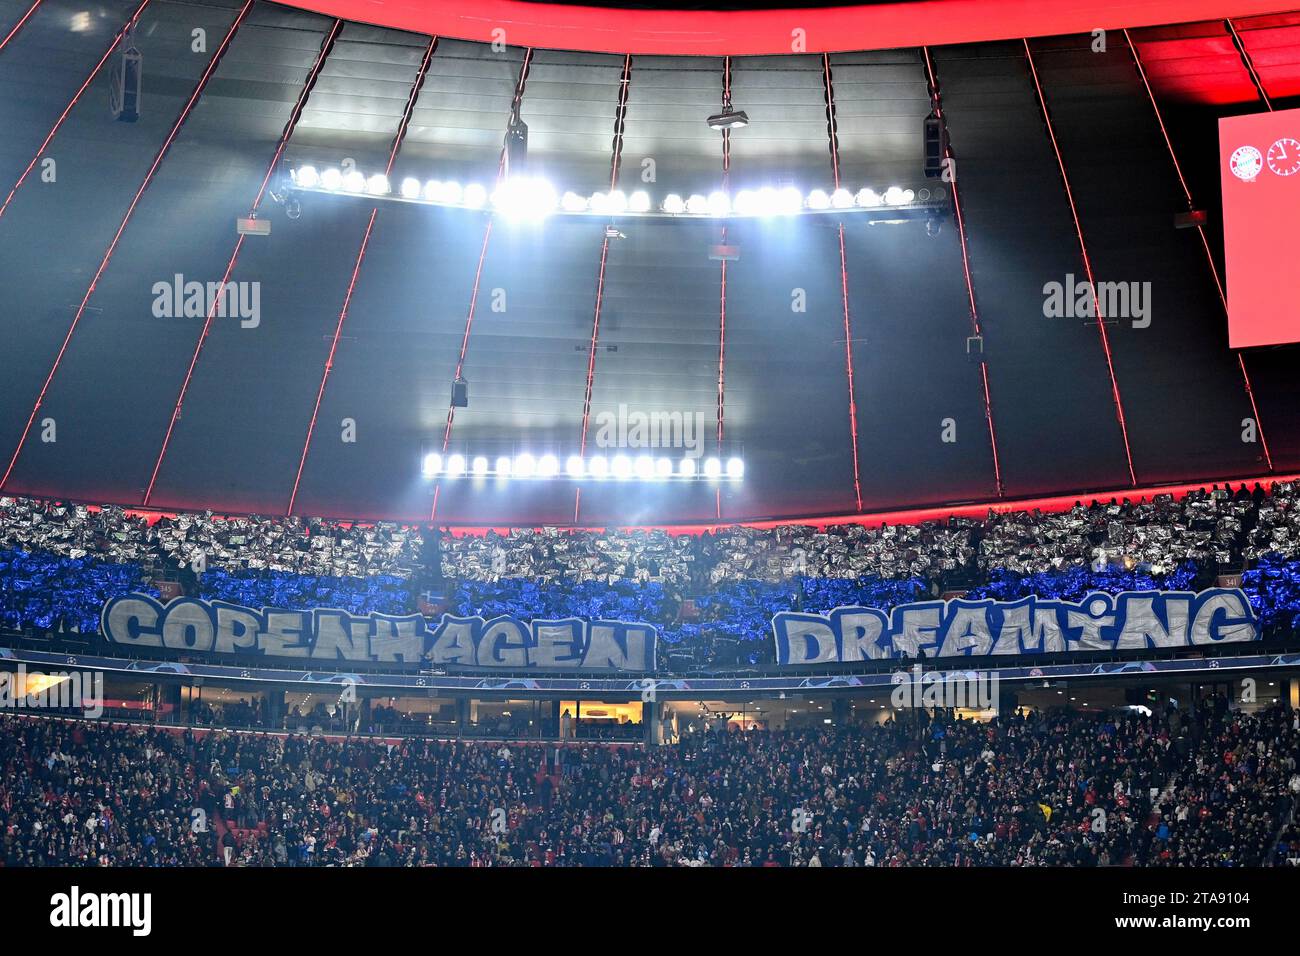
x: 118, y: 384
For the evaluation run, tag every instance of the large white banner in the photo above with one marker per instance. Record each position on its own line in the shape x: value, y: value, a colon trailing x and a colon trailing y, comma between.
x: 1133, y: 620
x: 328, y: 634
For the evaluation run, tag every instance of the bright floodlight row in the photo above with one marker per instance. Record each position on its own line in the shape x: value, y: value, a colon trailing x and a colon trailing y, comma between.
x: 640, y: 467
x: 533, y: 197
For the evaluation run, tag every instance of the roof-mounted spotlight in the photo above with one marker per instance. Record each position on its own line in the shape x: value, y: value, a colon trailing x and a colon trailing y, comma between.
x: 728, y: 119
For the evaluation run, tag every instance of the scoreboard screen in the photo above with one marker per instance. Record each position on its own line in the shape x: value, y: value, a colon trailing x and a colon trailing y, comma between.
x: 1259, y: 160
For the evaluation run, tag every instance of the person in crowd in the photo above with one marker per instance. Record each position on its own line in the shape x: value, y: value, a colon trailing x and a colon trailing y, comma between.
x: 1036, y: 789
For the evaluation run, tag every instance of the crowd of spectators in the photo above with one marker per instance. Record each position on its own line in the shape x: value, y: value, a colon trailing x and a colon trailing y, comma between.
x: 1214, y: 788
x: 1218, y: 526
x: 711, y: 594
x: 1222, y: 527
x: 305, y: 546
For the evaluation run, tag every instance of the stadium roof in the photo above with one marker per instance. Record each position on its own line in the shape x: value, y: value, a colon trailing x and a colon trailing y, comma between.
x: 98, y: 385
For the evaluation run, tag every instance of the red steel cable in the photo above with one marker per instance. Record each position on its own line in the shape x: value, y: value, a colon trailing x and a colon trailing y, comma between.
x: 326, y: 45
x: 112, y: 246
x: 970, y: 285
x: 1248, y: 62
x: 832, y: 130
x: 614, y: 166
x: 722, y: 304
x: 356, y: 269
x: 73, y: 102
x: 19, y: 25
x: 1087, y: 267
x: 520, y: 84
x: 1205, y: 242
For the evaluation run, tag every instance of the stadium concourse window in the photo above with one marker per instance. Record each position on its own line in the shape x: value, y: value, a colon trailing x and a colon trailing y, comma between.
x: 598, y: 720
x: 507, y: 719
x: 208, y: 705
x: 413, y: 716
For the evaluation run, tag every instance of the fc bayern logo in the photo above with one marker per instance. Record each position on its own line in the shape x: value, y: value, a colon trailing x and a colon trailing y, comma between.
x: 1246, y: 163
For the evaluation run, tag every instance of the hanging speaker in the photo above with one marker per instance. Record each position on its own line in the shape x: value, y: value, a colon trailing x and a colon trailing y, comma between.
x: 936, y: 146
x: 124, y: 95
x: 516, y: 146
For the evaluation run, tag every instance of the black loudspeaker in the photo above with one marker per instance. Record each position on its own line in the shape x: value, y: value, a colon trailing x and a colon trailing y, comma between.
x: 460, y: 393
x: 124, y: 96
x: 516, y: 146
x: 936, y: 146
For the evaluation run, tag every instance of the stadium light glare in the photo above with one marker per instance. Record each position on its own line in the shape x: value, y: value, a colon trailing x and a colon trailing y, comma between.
x: 574, y: 467
x: 621, y: 466
x: 455, y: 466
x: 431, y: 465
x: 645, y: 467
x: 548, y: 466
x: 524, y: 198
x: 530, y: 197
x: 735, y: 469
x: 525, y: 465
x: 712, y: 468
x: 788, y: 201
x: 687, y: 468
x: 599, y: 467
x: 480, y: 466
x: 817, y: 199
x: 663, y: 468
x: 867, y: 198
x: 505, y: 467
